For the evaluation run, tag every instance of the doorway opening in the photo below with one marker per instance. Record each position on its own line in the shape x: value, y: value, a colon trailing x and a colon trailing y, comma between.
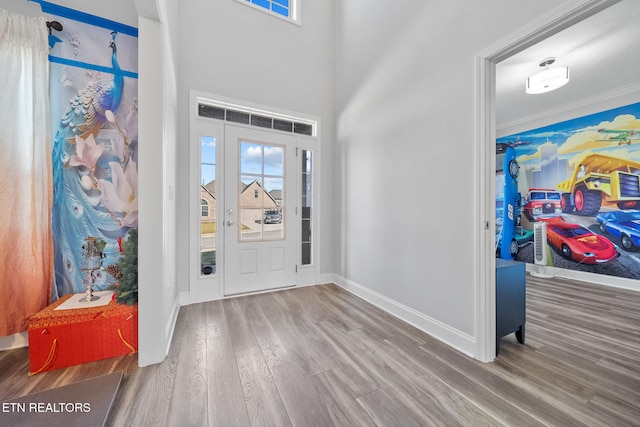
x: 552, y: 23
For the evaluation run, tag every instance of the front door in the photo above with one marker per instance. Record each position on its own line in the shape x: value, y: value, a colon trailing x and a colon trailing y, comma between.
x: 259, y: 210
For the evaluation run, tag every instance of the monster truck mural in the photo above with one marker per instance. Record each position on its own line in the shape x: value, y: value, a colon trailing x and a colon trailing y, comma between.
x: 601, y: 177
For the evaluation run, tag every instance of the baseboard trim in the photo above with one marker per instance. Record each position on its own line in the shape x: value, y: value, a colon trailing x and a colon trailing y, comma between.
x: 19, y: 340
x: 328, y: 278
x: 448, y: 335
x: 171, y: 324
x: 585, y: 276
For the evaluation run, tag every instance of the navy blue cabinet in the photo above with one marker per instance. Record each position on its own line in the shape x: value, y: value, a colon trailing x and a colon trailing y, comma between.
x: 510, y: 299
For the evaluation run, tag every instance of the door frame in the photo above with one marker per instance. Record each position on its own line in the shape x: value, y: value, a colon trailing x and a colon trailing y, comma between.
x: 549, y: 24
x: 208, y: 288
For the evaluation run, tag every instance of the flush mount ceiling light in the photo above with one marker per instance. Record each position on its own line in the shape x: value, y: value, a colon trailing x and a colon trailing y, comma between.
x: 549, y: 79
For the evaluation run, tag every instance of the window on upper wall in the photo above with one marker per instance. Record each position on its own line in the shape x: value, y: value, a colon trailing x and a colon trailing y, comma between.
x: 281, y: 8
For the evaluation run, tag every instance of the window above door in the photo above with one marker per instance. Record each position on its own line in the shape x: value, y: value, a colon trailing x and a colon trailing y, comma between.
x: 284, y: 9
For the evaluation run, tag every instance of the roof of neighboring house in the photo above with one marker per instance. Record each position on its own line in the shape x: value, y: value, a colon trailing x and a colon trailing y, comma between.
x: 276, y: 194
x: 207, y: 190
x: 246, y: 186
x: 211, y: 187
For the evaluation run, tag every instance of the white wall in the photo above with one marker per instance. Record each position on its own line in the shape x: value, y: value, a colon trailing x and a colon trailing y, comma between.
x: 404, y: 155
x: 158, y: 140
x: 229, y: 49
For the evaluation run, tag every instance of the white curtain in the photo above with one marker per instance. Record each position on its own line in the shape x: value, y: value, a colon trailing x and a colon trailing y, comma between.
x: 26, y: 247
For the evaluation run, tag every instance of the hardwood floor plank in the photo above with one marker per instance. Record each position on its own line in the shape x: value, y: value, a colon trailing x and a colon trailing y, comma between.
x: 615, y: 411
x: 302, y: 402
x: 427, y: 395
x: 189, y: 396
x: 274, y: 350
x: 513, y: 392
x: 144, y: 397
x: 237, y: 321
x: 216, y: 318
x: 424, y: 368
x: 373, y: 319
x: 190, y: 317
x: 319, y: 308
x: 226, y: 404
x: 356, y: 377
x: 261, y: 397
x: 343, y: 409
x: 311, y: 350
x: 385, y: 410
x: 588, y: 371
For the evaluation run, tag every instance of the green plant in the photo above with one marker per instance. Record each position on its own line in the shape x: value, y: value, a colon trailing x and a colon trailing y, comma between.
x: 126, y: 289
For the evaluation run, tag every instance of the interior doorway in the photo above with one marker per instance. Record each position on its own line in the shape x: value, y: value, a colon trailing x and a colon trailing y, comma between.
x: 557, y: 20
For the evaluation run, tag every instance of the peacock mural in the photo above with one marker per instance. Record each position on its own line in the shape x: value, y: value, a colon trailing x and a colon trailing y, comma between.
x: 94, y: 161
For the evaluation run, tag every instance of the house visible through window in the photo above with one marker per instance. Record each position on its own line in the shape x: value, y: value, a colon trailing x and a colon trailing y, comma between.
x: 208, y: 205
x: 284, y: 8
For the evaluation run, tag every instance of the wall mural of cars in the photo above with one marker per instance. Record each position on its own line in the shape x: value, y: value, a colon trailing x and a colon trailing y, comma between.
x: 541, y: 201
x: 577, y: 243
x: 582, y: 177
x: 624, y: 224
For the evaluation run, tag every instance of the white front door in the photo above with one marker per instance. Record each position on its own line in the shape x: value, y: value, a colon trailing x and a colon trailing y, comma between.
x: 259, y: 210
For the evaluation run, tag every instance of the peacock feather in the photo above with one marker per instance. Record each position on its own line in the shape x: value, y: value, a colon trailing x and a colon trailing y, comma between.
x: 76, y: 211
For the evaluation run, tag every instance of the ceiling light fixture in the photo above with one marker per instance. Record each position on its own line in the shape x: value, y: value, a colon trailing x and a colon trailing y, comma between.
x: 549, y: 79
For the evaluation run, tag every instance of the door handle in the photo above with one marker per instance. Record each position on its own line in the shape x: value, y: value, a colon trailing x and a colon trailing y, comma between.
x: 229, y: 223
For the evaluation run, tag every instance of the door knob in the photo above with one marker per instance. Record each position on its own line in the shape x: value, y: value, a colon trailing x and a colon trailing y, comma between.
x: 229, y: 223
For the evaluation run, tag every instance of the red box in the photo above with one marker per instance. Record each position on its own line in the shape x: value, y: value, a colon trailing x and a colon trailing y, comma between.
x: 60, y: 338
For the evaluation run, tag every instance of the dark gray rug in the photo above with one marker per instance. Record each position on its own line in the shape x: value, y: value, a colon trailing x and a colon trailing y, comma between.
x: 85, y: 403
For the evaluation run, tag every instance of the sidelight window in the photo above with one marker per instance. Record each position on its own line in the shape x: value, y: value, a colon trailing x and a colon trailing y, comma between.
x: 208, y: 205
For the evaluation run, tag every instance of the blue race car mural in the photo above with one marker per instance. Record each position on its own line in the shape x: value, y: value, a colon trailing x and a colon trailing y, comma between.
x: 623, y: 224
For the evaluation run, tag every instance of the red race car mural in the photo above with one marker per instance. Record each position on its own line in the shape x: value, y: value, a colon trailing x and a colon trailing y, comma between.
x: 577, y: 243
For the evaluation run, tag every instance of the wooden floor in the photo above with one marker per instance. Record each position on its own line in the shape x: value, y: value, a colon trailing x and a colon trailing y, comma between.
x: 319, y: 356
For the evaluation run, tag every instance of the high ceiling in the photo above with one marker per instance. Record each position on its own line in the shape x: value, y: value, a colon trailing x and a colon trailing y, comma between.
x: 602, y: 53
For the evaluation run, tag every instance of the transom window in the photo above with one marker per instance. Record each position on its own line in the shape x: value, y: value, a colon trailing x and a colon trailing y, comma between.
x: 282, y: 8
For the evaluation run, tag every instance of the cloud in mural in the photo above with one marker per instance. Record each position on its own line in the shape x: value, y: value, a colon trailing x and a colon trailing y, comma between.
x: 537, y: 155
x: 548, y: 135
x: 622, y: 122
x: 590, y: 139
x: 621, y: 152
x: 586, y: 140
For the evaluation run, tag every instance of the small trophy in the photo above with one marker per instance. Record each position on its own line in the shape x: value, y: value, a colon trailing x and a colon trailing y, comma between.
x: 91, y: 261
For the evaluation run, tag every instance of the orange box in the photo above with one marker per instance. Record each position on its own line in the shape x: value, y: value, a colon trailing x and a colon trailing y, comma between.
x: 60, y: 338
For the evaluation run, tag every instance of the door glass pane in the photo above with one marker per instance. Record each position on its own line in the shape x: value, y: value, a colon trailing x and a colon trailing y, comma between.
x: 208, y: 205
x: 262, y: 192
x: 306, y: 204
